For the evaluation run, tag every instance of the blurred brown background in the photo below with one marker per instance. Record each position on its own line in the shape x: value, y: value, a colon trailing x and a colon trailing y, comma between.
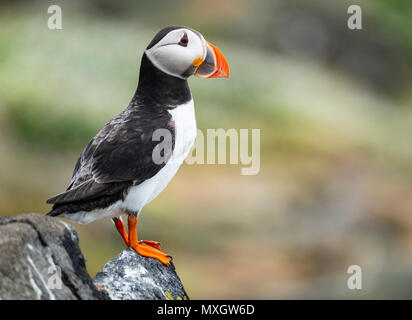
x: 335, y: 111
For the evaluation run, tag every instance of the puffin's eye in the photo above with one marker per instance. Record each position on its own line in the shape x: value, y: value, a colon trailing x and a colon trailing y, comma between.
x: 184, y: 40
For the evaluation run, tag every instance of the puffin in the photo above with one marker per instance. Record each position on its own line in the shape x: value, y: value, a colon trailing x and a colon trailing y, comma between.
x: 129, y: 161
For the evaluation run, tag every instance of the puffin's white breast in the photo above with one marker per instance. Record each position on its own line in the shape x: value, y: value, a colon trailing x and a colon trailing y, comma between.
x: 184, y: 119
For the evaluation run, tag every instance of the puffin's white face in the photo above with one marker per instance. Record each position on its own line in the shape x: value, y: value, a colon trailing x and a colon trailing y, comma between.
x: 183, y: 52
x: 175, y: 53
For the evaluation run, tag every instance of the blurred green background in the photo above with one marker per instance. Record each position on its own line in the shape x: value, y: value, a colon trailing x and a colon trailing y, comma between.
x: 335, y: 111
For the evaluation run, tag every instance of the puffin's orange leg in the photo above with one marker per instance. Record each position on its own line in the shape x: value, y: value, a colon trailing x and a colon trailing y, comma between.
x: 122, y: 230
x: 143, y: 248
x: 118, y: 222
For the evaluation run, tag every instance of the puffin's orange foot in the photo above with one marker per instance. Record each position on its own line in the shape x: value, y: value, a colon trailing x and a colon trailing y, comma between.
x: 148, y: 251
x: 153, y: 244
x: 145, y: 248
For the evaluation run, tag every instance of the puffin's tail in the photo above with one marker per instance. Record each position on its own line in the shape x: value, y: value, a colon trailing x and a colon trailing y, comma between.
x: 56, y: 210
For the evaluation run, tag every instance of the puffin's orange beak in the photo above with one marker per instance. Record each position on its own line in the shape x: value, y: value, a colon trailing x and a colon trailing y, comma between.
x: 214, y: 64
x: 222, y: 67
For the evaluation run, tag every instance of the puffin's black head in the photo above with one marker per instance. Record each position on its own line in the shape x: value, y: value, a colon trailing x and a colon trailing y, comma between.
x: 182, y: 52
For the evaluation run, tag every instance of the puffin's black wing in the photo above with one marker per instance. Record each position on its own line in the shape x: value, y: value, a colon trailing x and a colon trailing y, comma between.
x: 118, y: 156
x: 127, y: 154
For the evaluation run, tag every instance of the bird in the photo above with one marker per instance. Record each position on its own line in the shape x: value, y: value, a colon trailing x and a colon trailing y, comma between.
x: 125, y: 165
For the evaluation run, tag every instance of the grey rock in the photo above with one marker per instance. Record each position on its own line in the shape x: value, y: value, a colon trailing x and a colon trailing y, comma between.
x: 40, y: 259
x: 130, y: 276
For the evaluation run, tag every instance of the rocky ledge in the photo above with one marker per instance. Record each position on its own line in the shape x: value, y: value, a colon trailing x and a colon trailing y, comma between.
x: 40, y: 258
